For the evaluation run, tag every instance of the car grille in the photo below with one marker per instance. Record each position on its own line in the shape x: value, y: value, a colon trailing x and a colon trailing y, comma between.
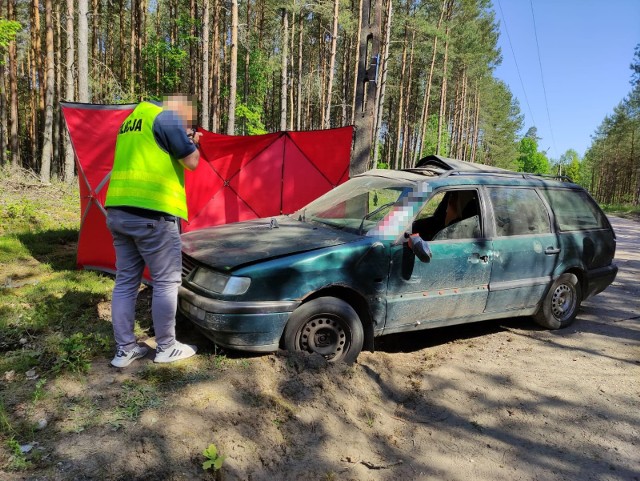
x: 187, y: 265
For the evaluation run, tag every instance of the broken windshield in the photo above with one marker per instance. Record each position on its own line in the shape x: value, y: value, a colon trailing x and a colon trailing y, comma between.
x: 358, y: 205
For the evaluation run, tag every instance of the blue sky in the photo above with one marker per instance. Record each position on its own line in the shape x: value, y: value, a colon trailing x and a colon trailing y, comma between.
x: 586, y: 47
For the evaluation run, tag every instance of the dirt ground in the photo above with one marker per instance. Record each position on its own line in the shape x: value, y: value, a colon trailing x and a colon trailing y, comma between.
x: 502, y: 400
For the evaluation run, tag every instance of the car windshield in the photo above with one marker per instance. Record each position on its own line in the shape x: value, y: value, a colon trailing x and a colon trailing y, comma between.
x: 359, y: 205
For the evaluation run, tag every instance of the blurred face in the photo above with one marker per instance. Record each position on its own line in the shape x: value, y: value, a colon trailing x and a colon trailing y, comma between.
x: 181, y: 105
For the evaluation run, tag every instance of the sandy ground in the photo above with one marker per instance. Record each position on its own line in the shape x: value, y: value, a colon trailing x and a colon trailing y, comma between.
x: 502, y: 400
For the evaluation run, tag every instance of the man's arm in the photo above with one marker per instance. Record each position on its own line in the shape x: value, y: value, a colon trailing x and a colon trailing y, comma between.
x: 191, y: 161
x: 180, y: 143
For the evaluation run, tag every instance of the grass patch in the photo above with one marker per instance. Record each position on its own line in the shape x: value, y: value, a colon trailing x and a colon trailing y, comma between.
x: 55, y: 321
x: 50, y: 321
x: 135, y: 398
x: 169, y: 376
x: 622, y: 210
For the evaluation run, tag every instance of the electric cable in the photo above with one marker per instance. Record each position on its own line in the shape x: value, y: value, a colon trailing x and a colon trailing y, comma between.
x: 506, y: 30
x: 544, y: 90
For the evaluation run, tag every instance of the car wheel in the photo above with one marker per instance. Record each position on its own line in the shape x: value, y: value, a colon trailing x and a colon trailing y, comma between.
x: 327, y: 326
x: 560, y: 306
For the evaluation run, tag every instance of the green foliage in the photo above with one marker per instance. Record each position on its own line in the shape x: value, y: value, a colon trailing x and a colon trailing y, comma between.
x: 573, y: 170
x: 530, y: 159
x: 569, y: 165
x: 260, y: 69
x: 18, y: 461
x: 611, y: 166
x: 500, y: 122
x: 8, y: 31
x: 136, y: 397
x: 74, y: 353
x: 214, y: 460
x: 174, y: 61
x: 250, y: 119
x: 5, y: 424
x: 621, y: 209
x: 38, y: 392
x: 430, y: 140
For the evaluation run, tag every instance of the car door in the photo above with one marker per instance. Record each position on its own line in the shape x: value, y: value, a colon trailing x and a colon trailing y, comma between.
x: 452, y: 286
x: 525, y: 251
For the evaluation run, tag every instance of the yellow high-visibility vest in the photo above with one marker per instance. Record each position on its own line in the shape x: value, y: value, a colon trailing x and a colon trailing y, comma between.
x: 143, y: 174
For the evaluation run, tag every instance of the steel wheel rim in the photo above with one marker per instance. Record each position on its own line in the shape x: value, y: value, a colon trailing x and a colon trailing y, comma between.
x: 325, y: 336
x: 563, y: 302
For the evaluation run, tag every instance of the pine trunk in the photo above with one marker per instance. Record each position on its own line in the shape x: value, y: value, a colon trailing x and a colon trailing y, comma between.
x: 141, y: 26
x: 247, y: 60
x: 332, y: 64
x: 283, y: 70
x: 233, y: 69
x: 396, y: 159
x: 83, y: 54
x: 55, y: 156
x: 69, y: 92
x: 290, y: 89
x: 382, y: 84
x: 405, y: 135
x: 204, y: 114
x: 476, y: 123
x: 45, y: 162
x: 133, y: 43
x: 424, y: 120
x: 323, y: 69
x: 299, y: 99
x: 14, y: 144
x: 121, y: 42
x: 215, y: 77
x: 443, y: 94
x: 357, y: 64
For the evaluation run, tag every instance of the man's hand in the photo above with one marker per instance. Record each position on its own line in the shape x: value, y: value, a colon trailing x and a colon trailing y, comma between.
x: 194, y: 136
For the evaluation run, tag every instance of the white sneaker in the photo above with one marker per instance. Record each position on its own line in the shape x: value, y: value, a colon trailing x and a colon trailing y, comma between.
x: 124, y: 358
x: 175, y: 352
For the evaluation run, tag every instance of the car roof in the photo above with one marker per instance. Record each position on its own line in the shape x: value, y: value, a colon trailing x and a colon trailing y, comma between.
x: 444, y: 170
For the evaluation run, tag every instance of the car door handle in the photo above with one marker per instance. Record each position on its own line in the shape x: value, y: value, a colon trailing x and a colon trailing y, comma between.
x: 476, y: 257
x: 552, y: 250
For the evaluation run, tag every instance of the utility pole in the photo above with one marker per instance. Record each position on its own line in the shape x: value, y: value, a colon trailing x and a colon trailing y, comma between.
x: 365, y: 86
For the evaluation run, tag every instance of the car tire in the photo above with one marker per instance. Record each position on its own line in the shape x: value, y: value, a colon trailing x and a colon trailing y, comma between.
x: 327, y: 326
x: 560, y: 306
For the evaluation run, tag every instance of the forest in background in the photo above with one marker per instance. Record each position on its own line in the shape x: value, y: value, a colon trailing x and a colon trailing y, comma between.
x: 260, y: 66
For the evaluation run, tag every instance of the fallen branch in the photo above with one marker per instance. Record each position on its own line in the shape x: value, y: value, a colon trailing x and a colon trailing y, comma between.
x: 380, y: 466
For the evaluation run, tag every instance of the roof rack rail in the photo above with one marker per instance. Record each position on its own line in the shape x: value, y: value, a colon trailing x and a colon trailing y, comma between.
x: 563, y: 178
x: 445, y: 167
x: 482, y: 172
x: 524, y: 175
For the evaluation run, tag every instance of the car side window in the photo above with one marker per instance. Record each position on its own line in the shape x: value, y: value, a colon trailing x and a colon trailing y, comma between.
x: 518, y: 212
x: 449, y: 215
x: 574, y: 210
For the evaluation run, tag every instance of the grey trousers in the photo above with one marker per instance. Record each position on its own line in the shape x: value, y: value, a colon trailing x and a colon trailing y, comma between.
x: 156, y: 243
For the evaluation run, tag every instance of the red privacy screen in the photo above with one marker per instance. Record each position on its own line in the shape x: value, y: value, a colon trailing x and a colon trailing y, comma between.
x: 238, y: 178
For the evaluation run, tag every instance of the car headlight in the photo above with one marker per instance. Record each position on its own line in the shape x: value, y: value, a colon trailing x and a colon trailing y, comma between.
x: 220, y: 283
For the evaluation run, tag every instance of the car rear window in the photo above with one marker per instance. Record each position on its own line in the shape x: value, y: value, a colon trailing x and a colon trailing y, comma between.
x: 519, y: 212
x: 575, y: 210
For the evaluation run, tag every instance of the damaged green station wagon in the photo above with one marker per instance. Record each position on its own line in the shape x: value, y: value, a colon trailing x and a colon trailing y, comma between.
x: 447, y: 242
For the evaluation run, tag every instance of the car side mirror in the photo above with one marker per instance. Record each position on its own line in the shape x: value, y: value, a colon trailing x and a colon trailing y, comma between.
x: 419, y: 247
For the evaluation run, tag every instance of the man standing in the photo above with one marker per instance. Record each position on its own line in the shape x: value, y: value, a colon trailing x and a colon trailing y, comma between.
x: 145, y: 202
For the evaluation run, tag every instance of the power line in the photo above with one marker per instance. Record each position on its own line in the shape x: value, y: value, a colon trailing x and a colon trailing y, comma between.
x: 516, y: 62
x: 544, y: 90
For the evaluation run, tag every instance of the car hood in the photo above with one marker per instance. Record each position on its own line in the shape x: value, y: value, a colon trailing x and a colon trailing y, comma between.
x: 229, y: 246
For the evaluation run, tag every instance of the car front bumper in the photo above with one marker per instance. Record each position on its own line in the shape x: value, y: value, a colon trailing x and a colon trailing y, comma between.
x: 246, y: 326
